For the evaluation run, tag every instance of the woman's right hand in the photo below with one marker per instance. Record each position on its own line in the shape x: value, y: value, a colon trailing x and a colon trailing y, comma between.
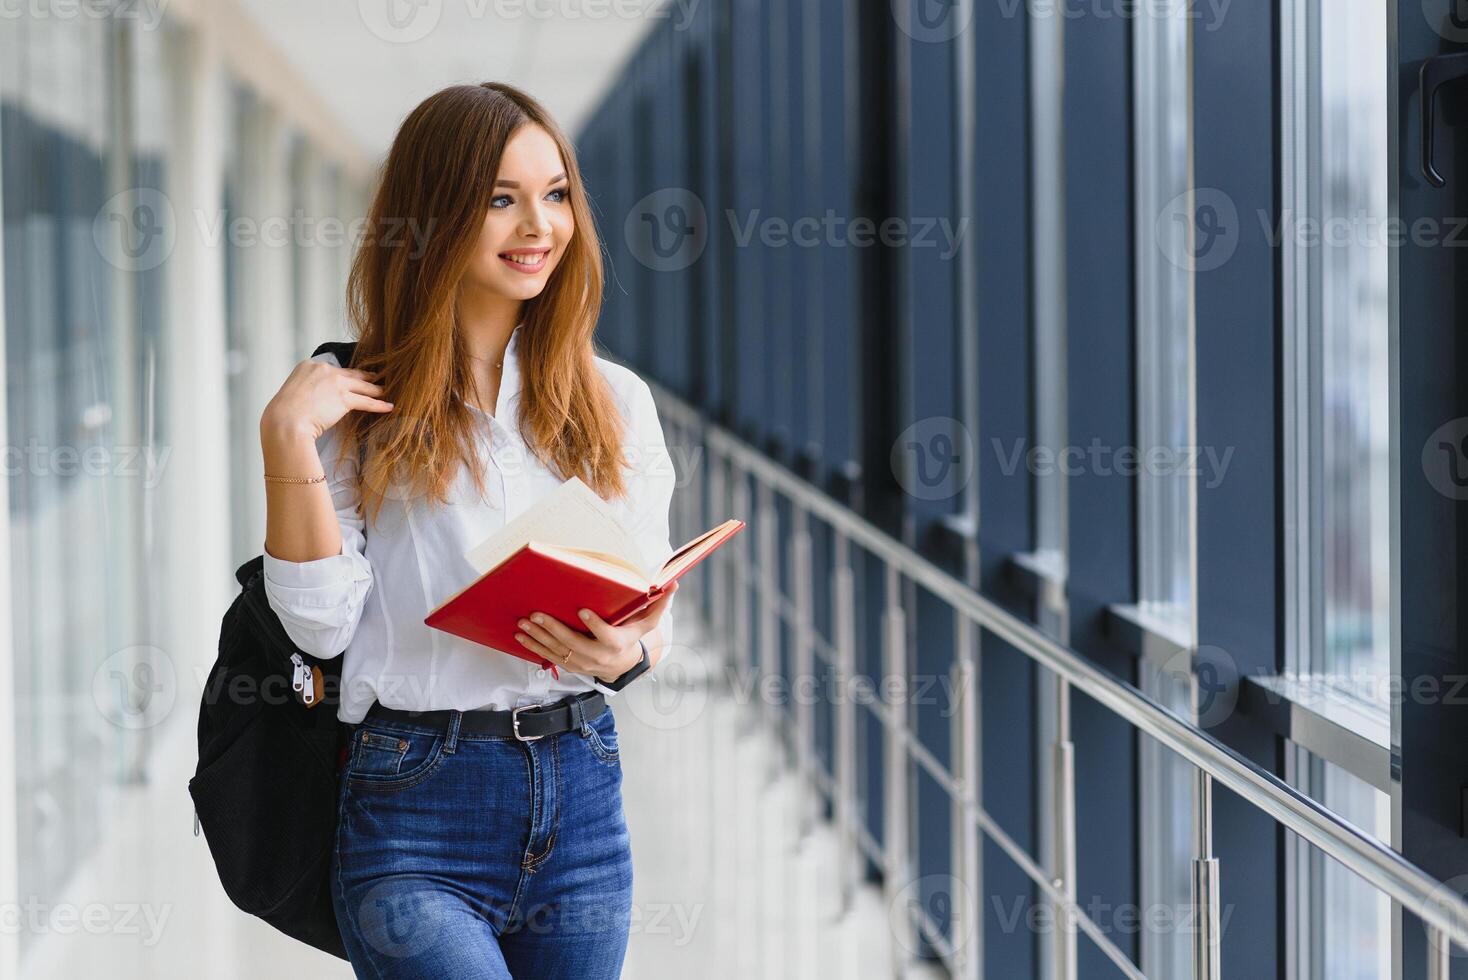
x: 317, y: 396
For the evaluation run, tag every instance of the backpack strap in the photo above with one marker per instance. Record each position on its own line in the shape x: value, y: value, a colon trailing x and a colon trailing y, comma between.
x: 343, y: 349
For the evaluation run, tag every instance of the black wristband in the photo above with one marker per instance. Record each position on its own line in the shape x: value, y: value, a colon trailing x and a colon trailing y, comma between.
x: 633, y: 672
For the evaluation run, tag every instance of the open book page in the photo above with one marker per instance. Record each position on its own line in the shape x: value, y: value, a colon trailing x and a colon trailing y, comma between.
x: 598, y: 562
x: 691, y: 552
x: 572, y: 516
x: 619, y: 569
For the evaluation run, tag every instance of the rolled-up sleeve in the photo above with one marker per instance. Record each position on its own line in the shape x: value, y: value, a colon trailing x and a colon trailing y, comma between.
x: 650, y: 491
x: 320, y: 602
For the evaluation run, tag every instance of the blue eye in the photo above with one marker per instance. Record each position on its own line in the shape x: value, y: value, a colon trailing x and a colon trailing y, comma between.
x: 560, y: 193
x: 494, y: 202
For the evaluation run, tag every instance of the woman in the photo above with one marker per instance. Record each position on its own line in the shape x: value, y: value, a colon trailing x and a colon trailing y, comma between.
x: 478, y: 836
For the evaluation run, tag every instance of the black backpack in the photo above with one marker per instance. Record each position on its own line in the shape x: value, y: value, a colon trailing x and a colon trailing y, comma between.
x: 270, y: 756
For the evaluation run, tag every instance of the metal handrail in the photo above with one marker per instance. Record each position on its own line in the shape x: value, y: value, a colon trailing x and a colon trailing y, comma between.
x: 1445, y: 913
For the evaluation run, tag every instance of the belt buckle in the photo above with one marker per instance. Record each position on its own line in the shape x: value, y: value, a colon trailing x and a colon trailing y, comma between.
x: 515, y: 723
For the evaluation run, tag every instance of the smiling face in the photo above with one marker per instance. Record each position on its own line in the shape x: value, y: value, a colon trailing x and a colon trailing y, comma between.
x: 529, y: 221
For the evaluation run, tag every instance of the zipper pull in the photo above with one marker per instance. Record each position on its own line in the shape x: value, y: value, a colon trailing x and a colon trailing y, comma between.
x: 196, y: 823
x: 298, y: 683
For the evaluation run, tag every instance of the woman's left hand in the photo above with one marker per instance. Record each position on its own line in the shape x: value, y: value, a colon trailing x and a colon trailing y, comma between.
x: 607, y: 654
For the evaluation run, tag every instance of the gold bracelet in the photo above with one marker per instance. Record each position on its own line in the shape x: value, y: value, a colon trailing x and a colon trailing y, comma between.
x: 294, y: 479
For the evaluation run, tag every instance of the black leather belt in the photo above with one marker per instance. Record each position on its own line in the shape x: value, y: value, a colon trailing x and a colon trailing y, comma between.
x: 527, y: 722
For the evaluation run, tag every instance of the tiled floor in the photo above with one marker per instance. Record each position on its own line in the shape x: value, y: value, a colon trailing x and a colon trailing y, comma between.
x: 723, y: 886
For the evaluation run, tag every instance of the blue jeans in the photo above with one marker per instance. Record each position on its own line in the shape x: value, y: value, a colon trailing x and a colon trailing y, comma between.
x: 475, y: 856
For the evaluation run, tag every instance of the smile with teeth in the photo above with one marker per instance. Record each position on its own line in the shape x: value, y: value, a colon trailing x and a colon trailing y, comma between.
x: 527, y: 261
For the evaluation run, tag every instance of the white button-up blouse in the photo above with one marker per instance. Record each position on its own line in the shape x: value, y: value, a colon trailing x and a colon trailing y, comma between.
x: 368, y: 603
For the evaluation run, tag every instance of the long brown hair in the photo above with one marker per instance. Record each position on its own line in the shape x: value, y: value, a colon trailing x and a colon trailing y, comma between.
x: 421, y: 231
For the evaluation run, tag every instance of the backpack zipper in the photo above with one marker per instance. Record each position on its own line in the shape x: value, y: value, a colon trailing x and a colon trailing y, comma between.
x: 301, y: 680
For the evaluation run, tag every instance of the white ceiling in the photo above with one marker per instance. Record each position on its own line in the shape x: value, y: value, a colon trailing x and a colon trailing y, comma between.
x: 371, y: 61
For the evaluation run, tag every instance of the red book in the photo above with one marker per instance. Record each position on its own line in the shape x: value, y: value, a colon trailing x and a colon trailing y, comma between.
x: 559, y: 580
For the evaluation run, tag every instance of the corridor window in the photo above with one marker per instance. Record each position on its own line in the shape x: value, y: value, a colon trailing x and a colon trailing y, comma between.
x: 1047, y: 55
x: 1335, y: 262
x: 1336, y: 344
x: 1162, y: 105
x: 1164, y: 313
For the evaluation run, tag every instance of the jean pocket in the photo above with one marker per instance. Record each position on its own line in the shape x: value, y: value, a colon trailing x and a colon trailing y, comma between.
x: 603, y: 738
x: 387, y: 759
